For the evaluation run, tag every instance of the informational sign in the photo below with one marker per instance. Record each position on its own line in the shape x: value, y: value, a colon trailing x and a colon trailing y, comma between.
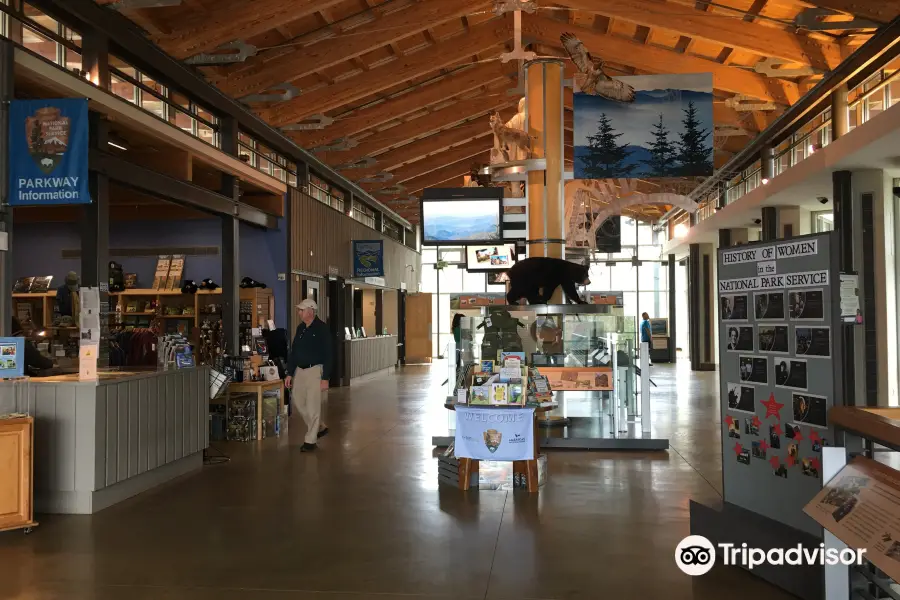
x: 48, y: 152
x: 850, y: 310
x: 494, y: 433
x: 12, y: 357
x: 89, y: 315
x: 368, y: 258
x: 861, y: 507
x: 463, y: 301
x: 574, y: 379
x: 778, y: 375
x: 87, y: 361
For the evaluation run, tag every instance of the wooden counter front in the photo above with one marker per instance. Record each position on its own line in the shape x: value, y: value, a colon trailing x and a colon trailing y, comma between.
x: 16, y: 473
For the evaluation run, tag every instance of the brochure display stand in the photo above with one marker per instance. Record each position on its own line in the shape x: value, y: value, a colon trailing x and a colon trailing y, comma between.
x: 779, y: 352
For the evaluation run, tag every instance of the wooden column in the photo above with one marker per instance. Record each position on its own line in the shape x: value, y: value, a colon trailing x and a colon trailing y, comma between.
x: 544, y: 89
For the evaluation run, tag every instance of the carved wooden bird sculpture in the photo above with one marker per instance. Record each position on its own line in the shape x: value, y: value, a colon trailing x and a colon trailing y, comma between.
x: 590, y: 77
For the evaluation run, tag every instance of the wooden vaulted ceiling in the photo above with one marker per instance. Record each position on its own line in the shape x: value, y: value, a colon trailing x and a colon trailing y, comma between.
x: 410, y: 83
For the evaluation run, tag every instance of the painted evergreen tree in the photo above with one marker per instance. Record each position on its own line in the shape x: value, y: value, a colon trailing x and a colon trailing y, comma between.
x: 694, y: 154
x: 662, y: 152
x: 605, y: 156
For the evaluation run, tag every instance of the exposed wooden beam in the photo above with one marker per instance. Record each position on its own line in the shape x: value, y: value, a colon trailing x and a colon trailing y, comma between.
x: 658, y: 60
x: 422, y: 148
x: 439, y: 120
x: 882, y: 11
x: 455, y: 84
x: 235, y: 19
x: 443, y: 54
x: 436, y: 161
x: 290, y: 64
x: 439, y: 176
x: 719, y: 29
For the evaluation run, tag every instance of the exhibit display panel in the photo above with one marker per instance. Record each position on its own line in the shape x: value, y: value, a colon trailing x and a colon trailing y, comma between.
x: 779, y: 342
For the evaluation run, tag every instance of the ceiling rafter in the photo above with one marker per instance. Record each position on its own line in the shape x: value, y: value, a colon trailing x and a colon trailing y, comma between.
x: 455, y: 84
x: 290, y: 64
x: 435, y: 161
x: 235, y: 19
x: 445, y: 53
x: 719, y: 29
x: 660, y: 60
x: 427, y: 124
x: 881, y: 11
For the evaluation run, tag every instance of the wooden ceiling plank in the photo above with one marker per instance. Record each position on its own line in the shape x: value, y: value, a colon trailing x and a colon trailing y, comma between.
x: 235, y: 19
x: 719, y: 29
x: 445, y: 53
x: 882, y: 11
x: 660, y: 60
x: 263, y: 71
x: 429, y: 123
x: 466, y: 151
x: 395, y: 159
x: 441, y: 175
x: 453, y: 85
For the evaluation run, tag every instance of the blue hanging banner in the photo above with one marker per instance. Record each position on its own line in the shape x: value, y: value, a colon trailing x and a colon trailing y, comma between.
x: 368, y: 258
x: 48, y: 152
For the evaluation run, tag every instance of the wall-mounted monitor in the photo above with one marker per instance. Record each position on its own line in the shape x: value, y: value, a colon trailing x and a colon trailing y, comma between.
x: 659, y: 327
x: 483, y: 258
x: 461, y: 216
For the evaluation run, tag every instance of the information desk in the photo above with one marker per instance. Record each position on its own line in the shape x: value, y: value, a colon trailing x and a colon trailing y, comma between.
x: 469, y: 466
x: 97, y: 443
x: 371, y: 354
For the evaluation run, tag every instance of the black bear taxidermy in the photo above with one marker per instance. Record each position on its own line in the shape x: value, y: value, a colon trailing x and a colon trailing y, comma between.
x: 536, y: 278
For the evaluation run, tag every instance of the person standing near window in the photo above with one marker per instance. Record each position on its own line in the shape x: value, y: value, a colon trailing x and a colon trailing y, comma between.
x: 646, y: 332
x: 309, y: 368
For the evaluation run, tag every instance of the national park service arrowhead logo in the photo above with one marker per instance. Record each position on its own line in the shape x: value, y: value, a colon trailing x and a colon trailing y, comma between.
x: 47, y: 133
x: 492, y: 439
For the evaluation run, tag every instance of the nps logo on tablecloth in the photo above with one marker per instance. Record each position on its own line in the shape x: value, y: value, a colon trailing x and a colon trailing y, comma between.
x: 47, y: 135
x: 492, y: 439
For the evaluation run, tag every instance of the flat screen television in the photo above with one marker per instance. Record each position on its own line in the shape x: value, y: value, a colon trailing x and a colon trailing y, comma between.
x: 461, y: 216
x: 484, y: 258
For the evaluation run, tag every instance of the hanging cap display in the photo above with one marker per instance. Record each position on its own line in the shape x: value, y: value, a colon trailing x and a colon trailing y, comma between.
x: 72, y: 280
x: 189, y: 287
x: 208, y: 284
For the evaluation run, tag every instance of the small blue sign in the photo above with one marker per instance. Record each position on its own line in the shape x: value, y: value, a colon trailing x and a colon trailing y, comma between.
x: 12, y: 357
x: 48, y: 152
x: 368, y: 258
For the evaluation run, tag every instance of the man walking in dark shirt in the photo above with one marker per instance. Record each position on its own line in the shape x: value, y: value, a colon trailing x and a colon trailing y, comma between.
x: 309, y: 369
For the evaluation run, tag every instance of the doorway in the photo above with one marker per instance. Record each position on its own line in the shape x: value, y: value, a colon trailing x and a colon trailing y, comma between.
x: 336, y: 296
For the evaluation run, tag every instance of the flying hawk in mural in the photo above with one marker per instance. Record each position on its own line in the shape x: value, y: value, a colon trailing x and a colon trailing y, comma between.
x: 590, y: 77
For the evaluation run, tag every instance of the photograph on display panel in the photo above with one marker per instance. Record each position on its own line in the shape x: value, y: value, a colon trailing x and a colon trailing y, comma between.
x: 754, y: 369
x: 733, y: 307
x: 741, y: 398
x: 807, y: 305
x: 813, y: 341
x: 773, y: 339
x: 791, y: 373
x: 740, y: 338
x: 769, y: 306
x: 810, y: 410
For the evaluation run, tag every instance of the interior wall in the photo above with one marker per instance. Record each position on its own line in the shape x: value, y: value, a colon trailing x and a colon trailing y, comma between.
x: 368, y: 312
x: 37, y: 250
x: 390, y: 308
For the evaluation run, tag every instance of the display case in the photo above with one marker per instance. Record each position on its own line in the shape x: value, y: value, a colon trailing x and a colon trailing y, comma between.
x: 589, y: 354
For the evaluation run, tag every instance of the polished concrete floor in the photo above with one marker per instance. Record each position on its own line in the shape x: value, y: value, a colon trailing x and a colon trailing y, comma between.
x: 364, y: 518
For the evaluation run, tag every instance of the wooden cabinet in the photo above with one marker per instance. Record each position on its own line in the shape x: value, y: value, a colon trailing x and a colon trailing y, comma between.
x: 16, y: 473
x: 418, y: 329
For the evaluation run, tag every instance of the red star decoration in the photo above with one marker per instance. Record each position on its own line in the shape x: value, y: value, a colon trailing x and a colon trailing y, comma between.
x: 798, y: 437
x: 773, y: 409
x: 791, y: 461
x: 738, y: 448
x: 764, y: 445
x: 756, y: 422
x: 815, y: 464
x: 729, y: 420
x: 814, y: 436
x: 778, y: 429
x: 774, y: 462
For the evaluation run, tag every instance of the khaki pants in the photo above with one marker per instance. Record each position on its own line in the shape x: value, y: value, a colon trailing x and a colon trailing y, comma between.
x: 306, y: 395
